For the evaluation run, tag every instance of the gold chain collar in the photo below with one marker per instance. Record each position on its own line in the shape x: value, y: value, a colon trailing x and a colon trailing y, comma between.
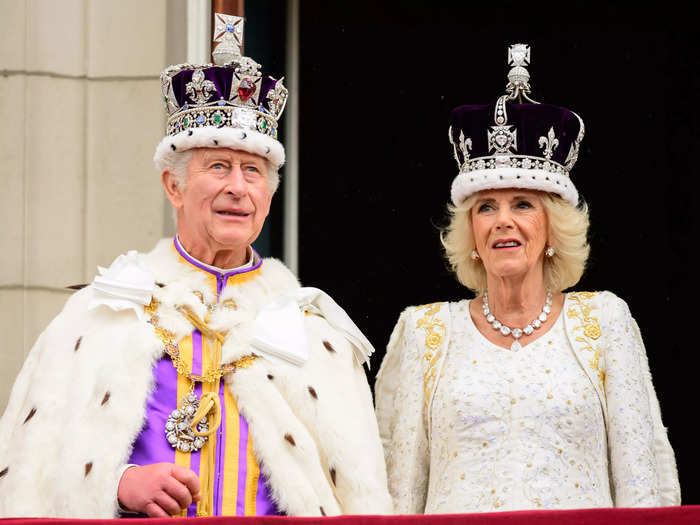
x: 171, y: 347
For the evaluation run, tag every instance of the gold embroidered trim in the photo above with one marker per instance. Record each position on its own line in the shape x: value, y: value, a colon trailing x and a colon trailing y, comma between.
x: 581, y: 310
x: 171, y: 348
x: 435, y: 332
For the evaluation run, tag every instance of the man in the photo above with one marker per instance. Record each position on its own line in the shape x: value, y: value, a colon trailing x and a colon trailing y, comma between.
x: 198, y: 379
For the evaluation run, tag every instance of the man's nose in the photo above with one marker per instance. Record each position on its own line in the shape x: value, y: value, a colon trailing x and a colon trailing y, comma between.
x: 235, y: 182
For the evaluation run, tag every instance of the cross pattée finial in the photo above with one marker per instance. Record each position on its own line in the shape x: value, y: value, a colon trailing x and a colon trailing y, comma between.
x: 228, y: 34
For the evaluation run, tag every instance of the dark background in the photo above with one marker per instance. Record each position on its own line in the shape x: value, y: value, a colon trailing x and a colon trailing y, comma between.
x: 378, y: 81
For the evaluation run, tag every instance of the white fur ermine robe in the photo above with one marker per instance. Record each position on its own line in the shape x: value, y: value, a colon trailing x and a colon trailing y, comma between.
x: 79, y: 403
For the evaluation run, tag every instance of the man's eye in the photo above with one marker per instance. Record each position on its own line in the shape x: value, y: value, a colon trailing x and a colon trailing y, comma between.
x: 252, y: 168
x: 218, y: 166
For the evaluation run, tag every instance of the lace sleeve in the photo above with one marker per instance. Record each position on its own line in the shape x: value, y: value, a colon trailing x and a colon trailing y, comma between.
x: 670, y: 490
x: 630, y: 424
x: 400, y: 415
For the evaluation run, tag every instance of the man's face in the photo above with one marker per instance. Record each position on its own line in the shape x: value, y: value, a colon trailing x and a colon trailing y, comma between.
x: 225, y: 200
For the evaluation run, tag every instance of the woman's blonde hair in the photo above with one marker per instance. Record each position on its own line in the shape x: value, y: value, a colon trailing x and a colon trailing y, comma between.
x: 568, y: 231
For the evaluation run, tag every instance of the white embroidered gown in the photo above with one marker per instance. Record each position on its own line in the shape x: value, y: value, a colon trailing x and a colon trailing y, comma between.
x: 569, y: 421
x: 515, y: 430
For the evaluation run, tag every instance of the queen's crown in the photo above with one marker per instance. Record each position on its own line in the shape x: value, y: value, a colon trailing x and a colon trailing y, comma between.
x: 231, y: 92
x: 516, y: 131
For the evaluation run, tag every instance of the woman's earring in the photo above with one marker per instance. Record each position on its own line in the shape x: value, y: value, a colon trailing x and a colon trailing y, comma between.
x: 549, y: 252
x: 475, y: 255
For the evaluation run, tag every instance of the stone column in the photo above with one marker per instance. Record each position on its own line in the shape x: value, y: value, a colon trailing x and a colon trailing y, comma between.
x: 82, y: 114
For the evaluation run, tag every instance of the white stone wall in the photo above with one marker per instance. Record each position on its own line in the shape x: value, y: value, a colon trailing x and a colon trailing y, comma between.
x: 80, y: 115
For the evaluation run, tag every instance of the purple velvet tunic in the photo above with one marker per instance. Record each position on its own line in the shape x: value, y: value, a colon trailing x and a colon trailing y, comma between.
x: 239, y: 486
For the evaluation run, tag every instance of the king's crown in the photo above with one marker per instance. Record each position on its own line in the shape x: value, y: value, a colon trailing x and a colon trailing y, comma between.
x: 231, y: 92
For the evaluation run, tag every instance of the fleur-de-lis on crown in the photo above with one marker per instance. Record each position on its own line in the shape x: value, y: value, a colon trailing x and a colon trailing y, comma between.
x: 198, y: 89
x: 465, y: 144
x: 549, y: 143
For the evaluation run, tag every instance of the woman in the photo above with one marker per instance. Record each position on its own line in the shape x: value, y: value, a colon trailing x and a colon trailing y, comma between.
x: 524, y: 397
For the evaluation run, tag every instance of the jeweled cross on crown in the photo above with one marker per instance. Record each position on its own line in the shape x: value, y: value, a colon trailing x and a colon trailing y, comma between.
x: 228, y: 34
x: 519, y: 55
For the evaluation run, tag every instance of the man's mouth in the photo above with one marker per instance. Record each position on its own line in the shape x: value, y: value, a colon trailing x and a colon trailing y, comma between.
x: 233, y: 213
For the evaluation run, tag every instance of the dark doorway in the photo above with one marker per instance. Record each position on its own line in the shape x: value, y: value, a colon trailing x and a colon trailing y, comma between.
x: 378, y: 81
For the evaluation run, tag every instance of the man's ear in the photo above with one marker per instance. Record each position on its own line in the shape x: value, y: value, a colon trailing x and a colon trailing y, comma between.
x: 172, y: 190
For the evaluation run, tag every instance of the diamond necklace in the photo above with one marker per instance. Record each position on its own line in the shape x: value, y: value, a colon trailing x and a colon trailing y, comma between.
x: 518, y: 332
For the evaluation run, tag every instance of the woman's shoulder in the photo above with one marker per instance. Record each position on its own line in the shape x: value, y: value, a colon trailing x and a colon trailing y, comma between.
x: 436, y: 306
x: 420, y: 330
x: 603, y: 296
x: 608, y: 304
x: 432, y: 310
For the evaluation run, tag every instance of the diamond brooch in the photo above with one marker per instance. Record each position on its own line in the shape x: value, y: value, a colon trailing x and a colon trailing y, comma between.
x: 178, y: 429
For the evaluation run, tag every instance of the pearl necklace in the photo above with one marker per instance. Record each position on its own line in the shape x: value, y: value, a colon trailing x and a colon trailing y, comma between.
x: 518, y: 332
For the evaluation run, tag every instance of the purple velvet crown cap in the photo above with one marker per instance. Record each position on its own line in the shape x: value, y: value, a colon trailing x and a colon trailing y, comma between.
x: 225, y: 84
x: 532, y: 121
x: 511, y: 144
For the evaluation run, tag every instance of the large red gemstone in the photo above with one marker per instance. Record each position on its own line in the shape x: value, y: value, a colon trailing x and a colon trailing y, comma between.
x: 246, y: 89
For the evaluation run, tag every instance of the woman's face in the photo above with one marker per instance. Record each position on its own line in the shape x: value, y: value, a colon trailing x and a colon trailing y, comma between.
x: 510, y: 231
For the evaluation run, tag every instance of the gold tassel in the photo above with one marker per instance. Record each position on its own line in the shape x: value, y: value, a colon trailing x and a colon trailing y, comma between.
x: 208, y: 402
x: 209, y: 407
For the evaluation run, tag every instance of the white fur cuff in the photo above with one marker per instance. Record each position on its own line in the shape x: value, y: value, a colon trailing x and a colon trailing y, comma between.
x: 225, y: 137
x: 466, y: 184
